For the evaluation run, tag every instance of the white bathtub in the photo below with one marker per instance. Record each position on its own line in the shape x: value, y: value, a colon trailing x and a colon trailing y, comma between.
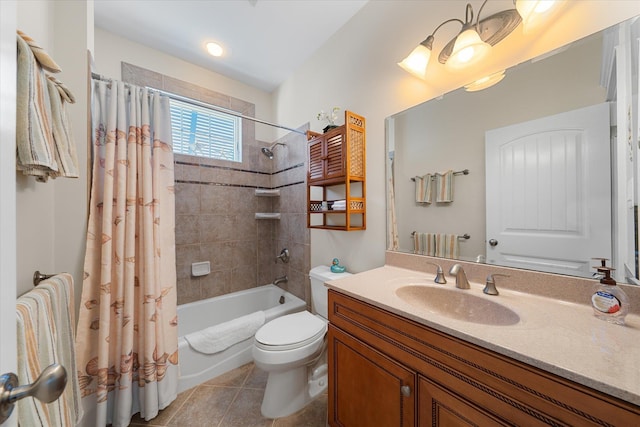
x: 196, y: 368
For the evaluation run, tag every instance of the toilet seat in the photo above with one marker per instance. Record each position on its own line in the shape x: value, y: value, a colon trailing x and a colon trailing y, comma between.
x: 290, y: 331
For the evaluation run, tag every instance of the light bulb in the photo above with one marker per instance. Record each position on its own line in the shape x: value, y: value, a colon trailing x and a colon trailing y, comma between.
x: 467, y: 50
x: 214, y: 49
x: 535, y: 12
x: 417, y: 61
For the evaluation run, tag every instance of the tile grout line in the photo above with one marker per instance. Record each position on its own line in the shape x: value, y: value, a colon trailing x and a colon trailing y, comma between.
x: 226, y: 412
x: 193, y: 389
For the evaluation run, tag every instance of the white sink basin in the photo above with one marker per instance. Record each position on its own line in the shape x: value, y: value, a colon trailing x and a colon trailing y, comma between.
x: 458, y: 304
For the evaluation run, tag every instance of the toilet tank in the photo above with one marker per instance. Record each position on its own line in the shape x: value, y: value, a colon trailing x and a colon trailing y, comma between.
x: 318, y: 276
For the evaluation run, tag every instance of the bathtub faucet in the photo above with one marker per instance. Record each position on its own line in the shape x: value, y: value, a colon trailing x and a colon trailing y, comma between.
x: 279, y: 280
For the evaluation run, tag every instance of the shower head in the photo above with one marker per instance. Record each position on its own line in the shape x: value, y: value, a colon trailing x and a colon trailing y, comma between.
x: 269, y: 151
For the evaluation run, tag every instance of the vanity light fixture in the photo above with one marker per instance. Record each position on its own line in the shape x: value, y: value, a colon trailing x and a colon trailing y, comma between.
x: 534, y: 12
x: 472, y: 43
x: 485, y: 82
x: 215, y: 49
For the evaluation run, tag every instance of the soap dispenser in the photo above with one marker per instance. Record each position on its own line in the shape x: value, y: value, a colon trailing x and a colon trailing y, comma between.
x: 609, y: 301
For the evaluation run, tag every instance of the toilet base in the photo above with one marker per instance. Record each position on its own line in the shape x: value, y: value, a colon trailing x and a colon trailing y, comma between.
x: 289, y: 391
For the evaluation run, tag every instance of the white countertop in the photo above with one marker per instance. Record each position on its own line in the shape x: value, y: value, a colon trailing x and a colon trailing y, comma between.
x: 560, y: 337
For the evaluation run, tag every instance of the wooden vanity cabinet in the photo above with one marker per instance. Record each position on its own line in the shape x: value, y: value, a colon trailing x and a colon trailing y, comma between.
x: 374, y: 355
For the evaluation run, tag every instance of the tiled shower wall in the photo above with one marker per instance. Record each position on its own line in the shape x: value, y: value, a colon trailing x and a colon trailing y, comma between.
x: 216, y: 206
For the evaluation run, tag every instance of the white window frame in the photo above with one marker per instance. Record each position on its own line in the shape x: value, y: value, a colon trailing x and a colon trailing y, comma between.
x: 227, y: 131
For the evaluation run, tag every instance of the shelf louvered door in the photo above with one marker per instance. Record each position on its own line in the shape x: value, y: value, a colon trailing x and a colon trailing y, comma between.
x: 316, y: 162
x: 335, y: 156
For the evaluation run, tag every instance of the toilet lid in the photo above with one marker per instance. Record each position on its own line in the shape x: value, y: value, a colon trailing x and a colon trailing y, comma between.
x: 291, y: 331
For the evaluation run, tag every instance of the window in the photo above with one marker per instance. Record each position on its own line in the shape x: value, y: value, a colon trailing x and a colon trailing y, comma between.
x: 205, y: 132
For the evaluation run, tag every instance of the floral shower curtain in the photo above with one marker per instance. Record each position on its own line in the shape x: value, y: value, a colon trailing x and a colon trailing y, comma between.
x: 127, y: 345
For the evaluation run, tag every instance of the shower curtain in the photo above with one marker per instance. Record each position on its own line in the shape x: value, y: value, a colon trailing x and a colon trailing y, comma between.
x: 127, y: 344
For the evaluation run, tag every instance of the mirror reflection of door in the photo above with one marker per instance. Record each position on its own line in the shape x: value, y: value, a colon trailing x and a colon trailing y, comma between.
x: 548, y: 187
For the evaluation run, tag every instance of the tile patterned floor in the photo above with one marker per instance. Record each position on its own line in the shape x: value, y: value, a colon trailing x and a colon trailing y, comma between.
x: 232, y: 400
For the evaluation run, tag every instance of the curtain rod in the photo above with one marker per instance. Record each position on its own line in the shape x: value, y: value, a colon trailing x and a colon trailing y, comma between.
x: 197, y: 103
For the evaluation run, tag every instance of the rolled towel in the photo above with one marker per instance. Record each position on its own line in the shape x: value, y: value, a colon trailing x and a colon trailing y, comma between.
x: 220, y: 337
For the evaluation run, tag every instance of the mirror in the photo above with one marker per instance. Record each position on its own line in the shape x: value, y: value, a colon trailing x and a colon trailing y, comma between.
x: 450, y: 133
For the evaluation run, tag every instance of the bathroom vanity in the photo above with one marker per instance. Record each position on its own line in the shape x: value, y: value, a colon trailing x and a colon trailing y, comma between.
x: 394, y: 361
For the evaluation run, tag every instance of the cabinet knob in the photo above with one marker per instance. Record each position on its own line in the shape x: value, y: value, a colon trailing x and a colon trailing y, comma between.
x: 405, y: 390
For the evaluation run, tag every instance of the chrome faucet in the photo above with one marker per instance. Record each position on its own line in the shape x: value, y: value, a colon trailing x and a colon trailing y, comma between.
x: 439, y: 274
x: 461, y: 277
x: 490, y: 284
x: 283, y: 279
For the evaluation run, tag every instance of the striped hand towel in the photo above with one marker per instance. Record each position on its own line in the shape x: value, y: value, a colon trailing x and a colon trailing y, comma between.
x: 424, y: 244
x: 65, y: 146
x: 34, y: 131
x: 423, y: 188
x: 444, y: 187
x: 446, y: 246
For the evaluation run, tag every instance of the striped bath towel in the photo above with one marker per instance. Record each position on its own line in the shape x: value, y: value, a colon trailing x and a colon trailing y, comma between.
x: 444, y: 187
x: 45, y: 332
x: 423, y: 188
x: 447, y: 246
x: 424, y: 243
x: 65, y: 146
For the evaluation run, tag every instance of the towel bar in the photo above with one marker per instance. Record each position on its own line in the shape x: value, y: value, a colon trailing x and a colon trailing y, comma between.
x: 462, y: 172
x: 39, y: 277
x: 464, y: 236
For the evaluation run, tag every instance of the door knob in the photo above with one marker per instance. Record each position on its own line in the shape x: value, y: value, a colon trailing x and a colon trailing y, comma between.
x: 46, y: 388
x: 493, y: 242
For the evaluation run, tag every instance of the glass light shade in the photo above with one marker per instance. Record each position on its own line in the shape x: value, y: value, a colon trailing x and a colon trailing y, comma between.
x: 214, y: 49
x: 417, y: 61
x: 485, y: 82
x: 467, y: 50
x: 535, y: 12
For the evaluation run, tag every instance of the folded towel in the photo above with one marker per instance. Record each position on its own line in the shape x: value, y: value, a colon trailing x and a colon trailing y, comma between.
x: 446, y: 246
x: 39, y: 53
x: 444, y: 187
x: 34, y: 133
x: 64, y: 144
x: 423, y: 188
x: 424, y: 243
x: 220, y: 337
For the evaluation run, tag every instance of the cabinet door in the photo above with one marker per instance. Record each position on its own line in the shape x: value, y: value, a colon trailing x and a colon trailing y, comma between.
x: 335, y: 154
x: 316, y: 159
x: 367, y: 388
x: 438, y: 406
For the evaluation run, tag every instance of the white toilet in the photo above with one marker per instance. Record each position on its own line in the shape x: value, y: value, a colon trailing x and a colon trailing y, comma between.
x: 292, y: 349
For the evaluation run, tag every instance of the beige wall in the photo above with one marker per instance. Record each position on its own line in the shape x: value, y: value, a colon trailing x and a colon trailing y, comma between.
x: 356, y: 69
x: 51, y: 217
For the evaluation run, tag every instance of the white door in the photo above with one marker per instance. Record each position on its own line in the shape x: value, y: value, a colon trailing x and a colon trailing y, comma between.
x: 7, y: 190
x: 548, y: 192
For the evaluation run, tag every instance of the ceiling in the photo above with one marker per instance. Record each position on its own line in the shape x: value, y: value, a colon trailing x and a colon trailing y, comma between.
x: 265, y: 40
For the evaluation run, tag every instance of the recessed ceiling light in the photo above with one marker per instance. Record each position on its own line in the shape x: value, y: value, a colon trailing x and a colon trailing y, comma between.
x: 214, y: 49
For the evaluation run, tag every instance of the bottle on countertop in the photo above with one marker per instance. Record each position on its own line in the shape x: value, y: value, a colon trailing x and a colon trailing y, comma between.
x: 609, y: 301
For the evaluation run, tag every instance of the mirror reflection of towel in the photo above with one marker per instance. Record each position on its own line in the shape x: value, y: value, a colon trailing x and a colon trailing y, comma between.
x: 446, y: 246
x: 424, y: 243
x: 423, y: 188
x: 444, y: 187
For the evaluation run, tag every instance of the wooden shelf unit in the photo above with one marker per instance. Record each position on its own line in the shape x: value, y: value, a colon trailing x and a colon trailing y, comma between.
x: 336, y: 163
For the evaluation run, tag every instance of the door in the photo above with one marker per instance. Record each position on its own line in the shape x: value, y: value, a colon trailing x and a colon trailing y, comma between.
x: 7, y: 190
x: 548, y: 185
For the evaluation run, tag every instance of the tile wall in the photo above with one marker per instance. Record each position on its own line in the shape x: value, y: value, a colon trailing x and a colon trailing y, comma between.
x: 216, y: 206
